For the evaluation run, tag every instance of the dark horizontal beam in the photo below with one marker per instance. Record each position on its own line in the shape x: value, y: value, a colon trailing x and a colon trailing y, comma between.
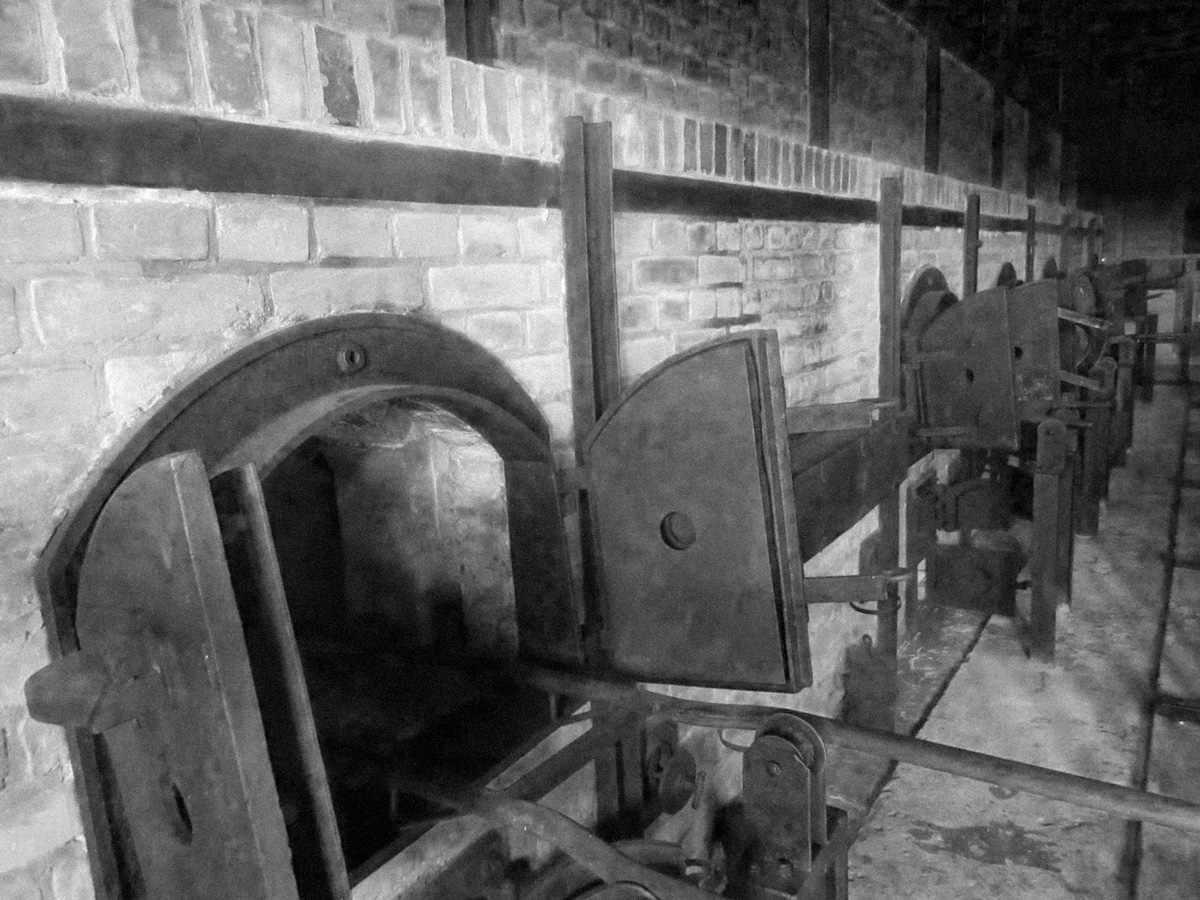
x: 669, y: 194
x: 80, y: 143
x: 65, y: 142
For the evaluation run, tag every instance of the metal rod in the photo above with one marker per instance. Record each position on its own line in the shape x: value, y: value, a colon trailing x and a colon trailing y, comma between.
x: 1092, y: 793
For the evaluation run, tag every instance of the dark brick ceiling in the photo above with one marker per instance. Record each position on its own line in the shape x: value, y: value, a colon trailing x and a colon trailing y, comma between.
x: 1100, y: 70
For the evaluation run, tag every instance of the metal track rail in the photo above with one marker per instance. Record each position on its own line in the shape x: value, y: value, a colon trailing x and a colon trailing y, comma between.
x: 1129, y: 803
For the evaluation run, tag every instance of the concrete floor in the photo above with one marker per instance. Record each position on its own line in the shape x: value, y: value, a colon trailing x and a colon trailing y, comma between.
x: 934, y: 836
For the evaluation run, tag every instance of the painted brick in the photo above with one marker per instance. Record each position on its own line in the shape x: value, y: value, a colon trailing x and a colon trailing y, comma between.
x: 497, y: 101
x: 638, y: 314
x: 10, y: 331
x: 753, y: 237
x: 547, y: 330
x: 91, y: 50
x: 366, y: 15
x: 673, y: 311
x: 336, y: 61
x: 425, y: 91
x: 729, y: 236
x: 38, y: 231
x: 425, y: 234
x: 691, y: 133
x: 151, y: 230
x: 35, y: 470
x: 353, y: 231
x: 48, y: 399
x: 633, y: 234
x: 500, y: 332
x: 670, y: 236
x: 672, y: 143
x: 540, y: 235
x: 512, y: 285
x: 21, y: 57
x: 465, y: 103
x: 262, y: 232
x: 642, y: 354
x: 308, y: 293
x: 281, y: 44
x: 543, y: 376
x: 36, y: 823
x: 707, y: 140
x: 232, y: 66
x: 386, y: 83
x: 162, y: 63
x: 719, y: 269
x: 488, y: 236
x: 71, y: 878
x: 701, y: 237
x: 135, y: 383
x: 554, y: 285
x: 533, y: 115
x: 299, y: 7
x: 82, y: 311
x: 665, y: 272
x: 423, y: 21
x: 702, y: 305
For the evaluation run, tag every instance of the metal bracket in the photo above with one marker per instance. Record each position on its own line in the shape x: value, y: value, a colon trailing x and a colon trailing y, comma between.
x: 853, y: 589
x: 976, y: 577
x: 783, y: 794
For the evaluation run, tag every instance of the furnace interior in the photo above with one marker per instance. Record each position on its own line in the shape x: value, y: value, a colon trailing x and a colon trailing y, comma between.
x: 391, y: 529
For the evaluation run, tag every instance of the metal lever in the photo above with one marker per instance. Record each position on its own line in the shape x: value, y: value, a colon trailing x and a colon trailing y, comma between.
x: 853, y: 589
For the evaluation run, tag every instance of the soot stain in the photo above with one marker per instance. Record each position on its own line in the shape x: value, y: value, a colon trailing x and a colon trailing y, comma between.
x: 995, y: 844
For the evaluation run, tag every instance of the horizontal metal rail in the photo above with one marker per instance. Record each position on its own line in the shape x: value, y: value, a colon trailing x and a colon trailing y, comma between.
x: 1118, y: 800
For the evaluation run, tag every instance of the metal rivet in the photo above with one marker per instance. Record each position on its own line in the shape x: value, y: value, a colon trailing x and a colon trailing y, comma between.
x: 351, y: 358
x: 677, y: 530
x: 773, y: 768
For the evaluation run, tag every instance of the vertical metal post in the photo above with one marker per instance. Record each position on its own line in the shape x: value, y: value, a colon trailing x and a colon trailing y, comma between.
x: 578, y: 281
x: 586, y: 196
x: 1147, y: 365
x: 933, y: 104
x: 891, y: 198
x: 971, y: 245
x: 602, y: 272
x: 819, y: 74
x: 1030, y: 243
x: 1185, y: 303
x: 1126, y: 356
x: 1050, y: 481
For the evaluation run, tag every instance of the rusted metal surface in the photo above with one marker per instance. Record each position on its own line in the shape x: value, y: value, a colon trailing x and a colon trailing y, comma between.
x: 839, y: 477
x: 692, y: 510
x: 971, y: 244
x: 963, y: 360
x: 1095, y: 459
x: 1033, y: 330
x: 194, y: 784
x: 837, y: 416
x: 1051, y: 551
x: 283, y: 697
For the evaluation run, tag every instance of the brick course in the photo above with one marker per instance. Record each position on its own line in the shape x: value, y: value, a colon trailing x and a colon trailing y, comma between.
x: 151, y: 231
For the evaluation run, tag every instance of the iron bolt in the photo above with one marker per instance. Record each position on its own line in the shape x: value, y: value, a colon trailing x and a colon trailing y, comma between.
x: 773, y: 768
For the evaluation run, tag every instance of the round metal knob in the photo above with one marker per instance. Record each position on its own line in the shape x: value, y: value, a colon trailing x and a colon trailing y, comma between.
x: 677, y: 530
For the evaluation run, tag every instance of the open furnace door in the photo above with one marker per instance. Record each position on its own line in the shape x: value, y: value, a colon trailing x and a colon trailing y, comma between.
x: 696, y: 543
x: 164, y: 675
